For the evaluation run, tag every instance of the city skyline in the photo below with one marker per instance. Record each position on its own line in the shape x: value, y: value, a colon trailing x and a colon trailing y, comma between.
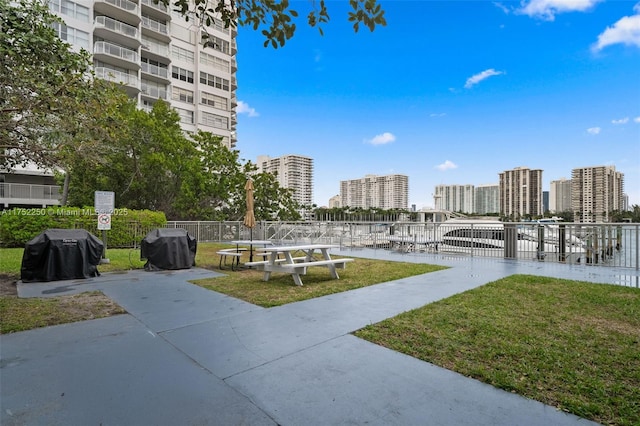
x: 449, y: 93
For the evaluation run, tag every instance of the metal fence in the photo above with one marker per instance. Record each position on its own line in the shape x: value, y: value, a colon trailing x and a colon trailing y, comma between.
x: 578, y: 243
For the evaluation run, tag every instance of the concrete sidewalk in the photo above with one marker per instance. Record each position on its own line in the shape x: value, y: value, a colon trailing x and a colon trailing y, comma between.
x: 189, y: 356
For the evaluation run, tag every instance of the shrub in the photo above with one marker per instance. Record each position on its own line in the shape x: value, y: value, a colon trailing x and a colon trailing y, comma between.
x: 128, y: 227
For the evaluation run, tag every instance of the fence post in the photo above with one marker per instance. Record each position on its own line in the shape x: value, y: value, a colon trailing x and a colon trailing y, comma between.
x: 510, y: 241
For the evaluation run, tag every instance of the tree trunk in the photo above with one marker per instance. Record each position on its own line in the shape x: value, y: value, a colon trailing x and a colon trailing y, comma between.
x: 65, y: 188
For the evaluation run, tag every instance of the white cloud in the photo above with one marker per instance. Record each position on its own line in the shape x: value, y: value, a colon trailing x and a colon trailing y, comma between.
x: 244, y: 108
x: 471, y: 81
x: 621, y: 121
x: 381, y: 139
x: 548, y: 9
x: 593, y: 130
x: 637, y: 119
x: 625, y: 31
x: 441, y: 114
x: 446, y: 166
x: 502, y: 7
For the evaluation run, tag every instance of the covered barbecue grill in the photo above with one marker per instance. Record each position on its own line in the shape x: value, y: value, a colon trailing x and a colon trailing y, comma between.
x: 168, y: 248
x: 61, y: 254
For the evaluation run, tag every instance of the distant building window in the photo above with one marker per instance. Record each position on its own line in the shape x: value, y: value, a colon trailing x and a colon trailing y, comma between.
x: 214, y: 101
x: 72, y: 35
x: 69, y: 8
x: 214, y: 120
x: 182, y: 74
x: 183, y: 95
x: 218, y: 44
x: 214, y: 61
x: 214, y: 81
x: 186, y: 116
x: 182, y: 54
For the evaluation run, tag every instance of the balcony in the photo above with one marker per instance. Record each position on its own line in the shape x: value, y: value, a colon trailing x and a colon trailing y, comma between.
x: 156, y: 73
x: 155, y: 51
x: 155, y: 29
x: 116, y: 31
x: 116, y: 55
x: 130, y: 81
x: 149, y: 7
x: 122, y: 10
x: 153, y: 92
x: 23, y: 194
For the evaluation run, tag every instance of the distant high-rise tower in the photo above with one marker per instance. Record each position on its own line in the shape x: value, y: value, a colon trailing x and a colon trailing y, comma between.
x: 383, y: 192
x: 487, y: 198
x: 595, y: 193
x: 521, y: 193
x: 560, y: 195
x: 292, y: 171
x: 456, y: 198
x: 156, y: 54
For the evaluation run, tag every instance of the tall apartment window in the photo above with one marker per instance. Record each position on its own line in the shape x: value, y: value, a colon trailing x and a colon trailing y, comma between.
x: 218, y: 24
x: 72, y: 35
x: 183, y: 95
x: 214, y: 61
x: 69, y: 8
x: 214, y: 81
x: 214, y: 101
x: 182, y: 74
x: 186, y: 116
x: 214, y: 120
x: 182, y: 54
x: 218, y: 44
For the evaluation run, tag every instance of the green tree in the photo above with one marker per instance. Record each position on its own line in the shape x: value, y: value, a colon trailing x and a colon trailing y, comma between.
x: 155, y: 166
x: 276, y: 19
x: 48, y: 100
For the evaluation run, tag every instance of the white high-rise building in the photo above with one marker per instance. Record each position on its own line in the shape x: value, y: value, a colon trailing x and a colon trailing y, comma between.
x: 156, y: 54
x: 521, y: 193
x: 560, y: 195
x: 595, y: 193
x: 455, y: 198
x: 487, y: 198
x: 382, y: 192
x: 291, y: 171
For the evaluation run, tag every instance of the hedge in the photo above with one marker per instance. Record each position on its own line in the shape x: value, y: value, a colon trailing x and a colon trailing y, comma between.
x: 128, y: 227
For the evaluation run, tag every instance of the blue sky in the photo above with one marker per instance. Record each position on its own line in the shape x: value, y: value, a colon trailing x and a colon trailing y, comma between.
x: 449, y: 92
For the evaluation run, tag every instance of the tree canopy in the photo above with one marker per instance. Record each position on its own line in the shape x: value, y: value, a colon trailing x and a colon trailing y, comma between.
x: 49, y: 104
x: 276, y: 19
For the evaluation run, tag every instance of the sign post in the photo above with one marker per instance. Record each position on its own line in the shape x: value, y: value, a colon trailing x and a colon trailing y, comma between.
x: 104, y: 203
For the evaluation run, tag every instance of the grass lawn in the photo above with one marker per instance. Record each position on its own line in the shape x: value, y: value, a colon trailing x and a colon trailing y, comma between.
x: 569, y: 344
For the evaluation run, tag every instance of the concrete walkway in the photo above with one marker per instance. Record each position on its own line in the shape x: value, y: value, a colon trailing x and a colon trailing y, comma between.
x: 184, y: 355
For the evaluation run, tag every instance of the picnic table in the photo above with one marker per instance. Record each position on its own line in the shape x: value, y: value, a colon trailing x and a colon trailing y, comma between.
x: 236, y: 253
x: 297, y: 266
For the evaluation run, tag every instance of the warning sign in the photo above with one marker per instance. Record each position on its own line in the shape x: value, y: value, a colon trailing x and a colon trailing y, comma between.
x: 104, y: 222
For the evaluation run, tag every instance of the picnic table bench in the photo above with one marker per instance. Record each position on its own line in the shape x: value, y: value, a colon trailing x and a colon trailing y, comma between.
x: 297, y: 266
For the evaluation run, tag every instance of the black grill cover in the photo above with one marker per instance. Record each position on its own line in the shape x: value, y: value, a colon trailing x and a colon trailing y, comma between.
x: 61, y: 254
x: 168, y: 248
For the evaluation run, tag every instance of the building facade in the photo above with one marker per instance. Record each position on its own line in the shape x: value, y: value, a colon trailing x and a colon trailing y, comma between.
x: 455, y: 198
x: 156, y: 54
x: 292, y: 171
x: 487, y: 199
x: 521, y: 193
x: 595, y: 193
x: 334, y: 202
x: 560, y: 195
x: 372, y: 191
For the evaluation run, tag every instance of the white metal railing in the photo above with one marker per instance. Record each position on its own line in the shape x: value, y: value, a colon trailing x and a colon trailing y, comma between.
x: 153, y: 92
x: 115, y: 50
x: 587, y: 244
x: 116, y: 26
x: 24, y: 191
x: 154, y: 70
x: 123, y: 4
x: 157, y: 48
x: 154, y: 25
x: 117, y: 76
x: 160, y: 6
